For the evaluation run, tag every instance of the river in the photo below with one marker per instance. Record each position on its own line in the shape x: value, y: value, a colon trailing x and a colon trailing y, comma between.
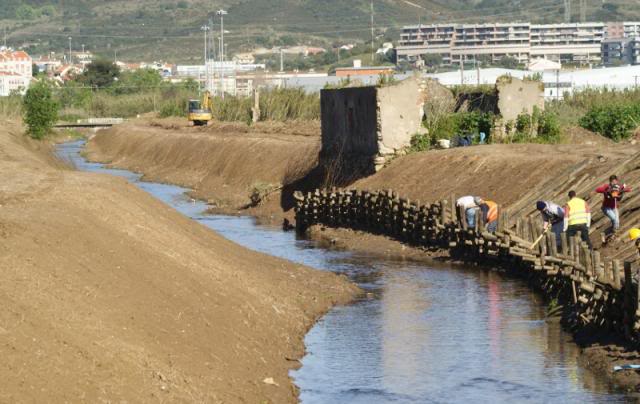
x: 425, y: 333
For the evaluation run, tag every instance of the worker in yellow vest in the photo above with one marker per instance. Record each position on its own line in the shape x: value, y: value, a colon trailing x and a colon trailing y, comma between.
x: 577, y: 218
x: 634, y: 235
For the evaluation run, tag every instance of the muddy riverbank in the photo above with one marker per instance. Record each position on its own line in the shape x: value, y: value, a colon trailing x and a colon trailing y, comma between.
x: 110, y: 295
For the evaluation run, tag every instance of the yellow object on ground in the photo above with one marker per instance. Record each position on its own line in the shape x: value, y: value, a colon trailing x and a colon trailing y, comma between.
x: 200, y: 111
x: 634, y: 234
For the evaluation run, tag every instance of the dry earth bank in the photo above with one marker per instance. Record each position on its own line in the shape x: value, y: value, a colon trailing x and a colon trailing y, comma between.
x: 109, y: 295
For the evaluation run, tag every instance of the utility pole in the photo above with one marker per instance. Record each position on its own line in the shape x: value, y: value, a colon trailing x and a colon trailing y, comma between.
x: 567, y: 11
x: 115, y: 56
x: 5, y: 37
x: 558, y: 85
x: 372, y: 35
x: 70, y: 56
x: 205, y: 28
x: 636, y: 81
x: 461, y: 70
x: 281, y: 60
x: 221, y: 13
x: 583, y: 10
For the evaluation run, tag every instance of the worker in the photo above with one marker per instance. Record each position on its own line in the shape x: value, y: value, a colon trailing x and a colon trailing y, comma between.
x: 468, y: 204
x: 634, y: 235
x: 552, y: 217
x: 613, y: 193
x: 577, y: 218
x: 489, y: 211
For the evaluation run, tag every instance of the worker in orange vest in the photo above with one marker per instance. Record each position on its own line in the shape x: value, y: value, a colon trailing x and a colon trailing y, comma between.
x: 489, y: 211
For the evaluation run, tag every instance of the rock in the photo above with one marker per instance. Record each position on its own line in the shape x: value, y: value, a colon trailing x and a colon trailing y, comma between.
x: 269, y: 380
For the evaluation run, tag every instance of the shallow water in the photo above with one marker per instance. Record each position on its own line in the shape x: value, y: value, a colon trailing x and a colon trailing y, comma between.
x: 427, y: 334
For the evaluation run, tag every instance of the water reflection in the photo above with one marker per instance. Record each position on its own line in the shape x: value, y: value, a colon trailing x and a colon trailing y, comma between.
x: 430, y: 334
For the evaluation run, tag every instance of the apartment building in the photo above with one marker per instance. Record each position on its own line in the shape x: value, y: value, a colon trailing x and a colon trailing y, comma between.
x: 621, y: 51
x: 625, y: 29
x: 577, y: 42
x: 15, y: 71
x: 568, y: 43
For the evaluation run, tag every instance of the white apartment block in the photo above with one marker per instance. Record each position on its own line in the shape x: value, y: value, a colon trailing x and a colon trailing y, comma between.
x: 573, y: 42
x: 15, y: 72
x: 577, y: 42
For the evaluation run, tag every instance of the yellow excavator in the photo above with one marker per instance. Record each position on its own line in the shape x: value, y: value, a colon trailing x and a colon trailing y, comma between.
x: 200, y: 111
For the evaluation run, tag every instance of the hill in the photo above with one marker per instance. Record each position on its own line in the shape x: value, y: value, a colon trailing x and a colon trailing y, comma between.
x: 170, y: 30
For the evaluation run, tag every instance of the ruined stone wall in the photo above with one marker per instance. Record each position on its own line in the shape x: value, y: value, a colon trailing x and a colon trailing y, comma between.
x: 363, y: 126
x: 400, y: 115
x: 516, y: 96
x: 349, y: 122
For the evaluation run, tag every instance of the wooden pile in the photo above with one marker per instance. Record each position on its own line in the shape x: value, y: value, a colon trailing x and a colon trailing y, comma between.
x: 600, y: 292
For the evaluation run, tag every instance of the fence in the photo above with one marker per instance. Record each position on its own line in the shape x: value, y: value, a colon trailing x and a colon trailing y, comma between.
x: 596, y: 291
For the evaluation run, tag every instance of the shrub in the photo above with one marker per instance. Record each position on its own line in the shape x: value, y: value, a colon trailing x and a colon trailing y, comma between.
x: 549, y: 127
x: 538, y: 127
x: 420, y: 142
x: 615, y: 121
x: 40, y: 109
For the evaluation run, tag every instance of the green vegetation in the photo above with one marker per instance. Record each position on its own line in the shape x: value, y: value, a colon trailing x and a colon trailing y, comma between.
x: 11, y: 106
x: 537, y: 127
x: 611, y: 113
x: 615, y: 121
x: 100, y: 73
x: 40, y: 109
x: 275, y: 105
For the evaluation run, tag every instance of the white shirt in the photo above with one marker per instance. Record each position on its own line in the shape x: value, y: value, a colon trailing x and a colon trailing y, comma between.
x: 466, y: 202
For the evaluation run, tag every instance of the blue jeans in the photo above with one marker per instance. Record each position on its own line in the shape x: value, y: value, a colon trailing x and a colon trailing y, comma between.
x: 614, y: 216
x: 557, y: 229
x: 492, y: 227
x: 471, y: 217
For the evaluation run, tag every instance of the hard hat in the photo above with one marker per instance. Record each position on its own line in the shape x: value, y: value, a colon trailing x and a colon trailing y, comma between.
x: 634, y: 234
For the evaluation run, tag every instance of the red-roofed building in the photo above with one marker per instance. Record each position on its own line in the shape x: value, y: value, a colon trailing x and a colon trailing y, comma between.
x: 15, y: 71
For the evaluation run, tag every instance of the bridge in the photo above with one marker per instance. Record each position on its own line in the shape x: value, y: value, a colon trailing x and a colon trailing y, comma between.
x: 91, y: 123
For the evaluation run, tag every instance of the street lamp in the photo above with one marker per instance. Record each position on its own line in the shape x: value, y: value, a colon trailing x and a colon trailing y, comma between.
x: 222, y: 13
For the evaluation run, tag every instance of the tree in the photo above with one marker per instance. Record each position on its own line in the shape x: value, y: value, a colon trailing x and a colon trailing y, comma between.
x: 100, y: 73
x: 40, y: 109
x: 432, y: 59
x: 508, y: 62
x: 25, y: 12
x: 142, y: 79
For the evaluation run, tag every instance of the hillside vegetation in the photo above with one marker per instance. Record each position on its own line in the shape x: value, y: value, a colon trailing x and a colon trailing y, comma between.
x: 170, y: 30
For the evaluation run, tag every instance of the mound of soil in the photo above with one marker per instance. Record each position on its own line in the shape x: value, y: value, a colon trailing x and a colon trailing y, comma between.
x: 109, y: 295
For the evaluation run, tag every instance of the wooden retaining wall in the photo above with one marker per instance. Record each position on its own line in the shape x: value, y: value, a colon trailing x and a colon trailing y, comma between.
x: 600, y: 292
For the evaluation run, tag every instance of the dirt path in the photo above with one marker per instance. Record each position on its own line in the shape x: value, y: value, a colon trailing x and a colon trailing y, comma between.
x: 109, y: 295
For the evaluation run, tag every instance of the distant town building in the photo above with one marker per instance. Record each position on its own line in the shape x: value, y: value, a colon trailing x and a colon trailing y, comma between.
x: 84, y: 57
x: 457, y: 43
x: 47, y: 64
x: 359, y: 70
x: 244, y: 58
x: 625, y: 29
x: 15, y: 71
x: 621, y: 51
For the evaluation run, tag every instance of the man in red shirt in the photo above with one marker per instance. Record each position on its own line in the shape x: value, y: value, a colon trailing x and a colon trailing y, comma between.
x: 613, y: 193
